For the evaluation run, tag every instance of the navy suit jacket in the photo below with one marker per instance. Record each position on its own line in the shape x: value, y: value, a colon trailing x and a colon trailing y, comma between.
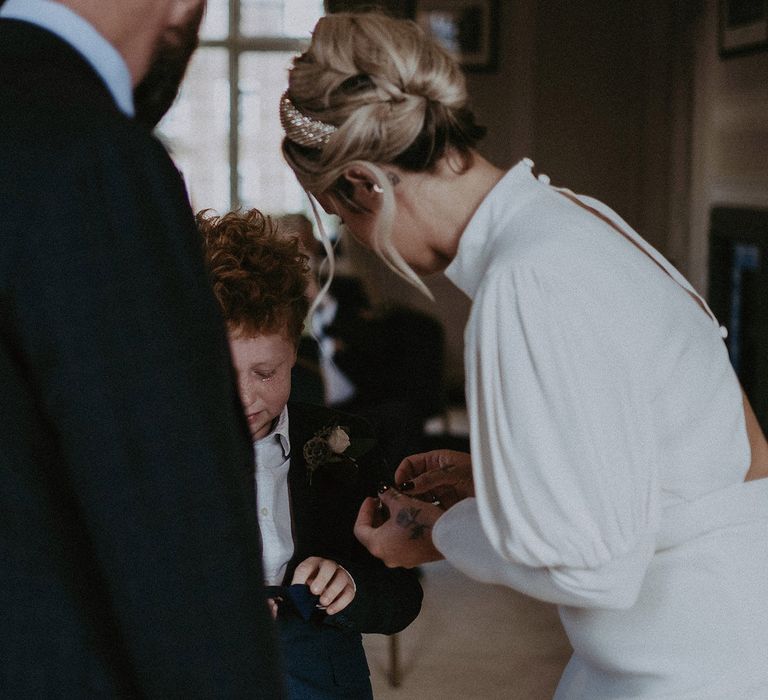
x: 325, y: 655
x: 129, y: 545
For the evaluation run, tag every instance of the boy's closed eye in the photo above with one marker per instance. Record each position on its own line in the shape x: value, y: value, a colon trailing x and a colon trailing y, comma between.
x: 262, y: 363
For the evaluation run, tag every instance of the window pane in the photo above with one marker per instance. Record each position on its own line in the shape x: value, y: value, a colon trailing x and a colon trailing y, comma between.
x: 266, y: 181
x: 196, y: 130
x: 284, y: 18
x: 216, y: 21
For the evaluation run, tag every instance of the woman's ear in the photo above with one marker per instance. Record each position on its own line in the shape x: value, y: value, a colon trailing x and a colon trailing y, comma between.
x: 364, y: 190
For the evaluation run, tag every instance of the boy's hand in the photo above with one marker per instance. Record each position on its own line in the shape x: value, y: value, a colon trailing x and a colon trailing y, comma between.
x: 327, y: 579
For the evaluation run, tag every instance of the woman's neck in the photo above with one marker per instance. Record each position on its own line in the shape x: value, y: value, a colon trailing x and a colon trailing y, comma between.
x: 442, y: 203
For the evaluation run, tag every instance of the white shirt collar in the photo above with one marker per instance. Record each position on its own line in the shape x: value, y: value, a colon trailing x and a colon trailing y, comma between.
x: 104, y: 58
x: 279, y: 435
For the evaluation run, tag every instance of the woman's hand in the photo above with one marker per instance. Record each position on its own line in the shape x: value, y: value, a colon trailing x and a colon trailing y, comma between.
x: 327, y: 579
x: 444, y: 474
x: 398, y: 529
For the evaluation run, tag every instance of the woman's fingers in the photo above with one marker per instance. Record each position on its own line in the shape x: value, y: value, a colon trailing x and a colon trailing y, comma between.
x: 416, y: 467
x: 364, y: 524
x: 447, y: 484
x: 411, y: 467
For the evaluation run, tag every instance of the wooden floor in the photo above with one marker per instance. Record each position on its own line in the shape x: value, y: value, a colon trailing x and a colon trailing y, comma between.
x: 470, y: 641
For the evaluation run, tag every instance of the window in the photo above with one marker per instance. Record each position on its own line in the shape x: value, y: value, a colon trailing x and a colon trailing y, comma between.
x: 224, y: 131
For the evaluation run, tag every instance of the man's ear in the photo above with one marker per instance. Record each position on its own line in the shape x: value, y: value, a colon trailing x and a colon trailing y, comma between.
x: 182, y: 12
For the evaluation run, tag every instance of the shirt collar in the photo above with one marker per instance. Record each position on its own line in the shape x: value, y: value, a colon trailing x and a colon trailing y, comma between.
x: 81, y: 35
x: 473, y: 256
x: 279, y: 433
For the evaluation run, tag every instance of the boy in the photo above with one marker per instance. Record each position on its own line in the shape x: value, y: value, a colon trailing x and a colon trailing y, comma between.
x: 314, y: 467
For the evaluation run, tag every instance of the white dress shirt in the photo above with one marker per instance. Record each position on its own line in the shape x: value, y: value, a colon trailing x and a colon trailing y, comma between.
x: 272, y: 456
x: 80, y: 34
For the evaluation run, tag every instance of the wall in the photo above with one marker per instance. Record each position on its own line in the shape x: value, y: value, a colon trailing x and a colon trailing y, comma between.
x: 612, y: 107
x: 729, y: 136
x: 625, y: 101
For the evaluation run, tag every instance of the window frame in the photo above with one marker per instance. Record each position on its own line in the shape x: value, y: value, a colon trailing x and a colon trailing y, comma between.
x: 236, y: 45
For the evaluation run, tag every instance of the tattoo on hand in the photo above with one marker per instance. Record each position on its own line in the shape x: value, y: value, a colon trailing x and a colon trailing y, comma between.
x: 406, y: 518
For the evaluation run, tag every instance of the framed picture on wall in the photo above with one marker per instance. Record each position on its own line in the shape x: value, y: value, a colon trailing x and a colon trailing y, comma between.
x: 466, y: 28
x: 743, y: 26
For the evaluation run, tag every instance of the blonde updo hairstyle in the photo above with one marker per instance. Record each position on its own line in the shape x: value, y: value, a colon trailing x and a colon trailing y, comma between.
x: 395, y: 96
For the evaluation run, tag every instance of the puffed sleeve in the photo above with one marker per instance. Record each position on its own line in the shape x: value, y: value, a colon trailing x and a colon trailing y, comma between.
x: 563, y: 446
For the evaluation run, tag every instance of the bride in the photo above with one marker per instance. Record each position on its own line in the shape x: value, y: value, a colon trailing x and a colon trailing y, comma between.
x: 617, y: 469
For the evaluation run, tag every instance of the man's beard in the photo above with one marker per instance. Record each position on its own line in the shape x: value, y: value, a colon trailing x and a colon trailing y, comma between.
x: 155, y: 94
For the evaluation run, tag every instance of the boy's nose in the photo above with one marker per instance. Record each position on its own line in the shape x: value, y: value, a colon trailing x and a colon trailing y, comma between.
x: 248, y: 395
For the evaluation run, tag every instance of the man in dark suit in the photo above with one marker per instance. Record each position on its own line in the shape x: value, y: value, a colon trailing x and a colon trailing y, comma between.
x: 129, y: 544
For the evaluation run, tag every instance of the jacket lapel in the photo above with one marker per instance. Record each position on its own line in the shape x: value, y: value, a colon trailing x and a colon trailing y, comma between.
x: 302, y: 503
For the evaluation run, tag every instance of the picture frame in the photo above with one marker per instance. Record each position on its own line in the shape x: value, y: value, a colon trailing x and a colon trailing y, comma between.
x: 743, y: 27
x: 468, y: 29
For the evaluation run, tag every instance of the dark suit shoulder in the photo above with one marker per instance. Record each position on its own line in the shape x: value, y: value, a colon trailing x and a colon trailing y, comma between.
x: 77, y: 176
x: 58, y: 112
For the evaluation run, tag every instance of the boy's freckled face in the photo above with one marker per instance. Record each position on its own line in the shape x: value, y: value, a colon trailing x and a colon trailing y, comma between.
x: 263, y: 364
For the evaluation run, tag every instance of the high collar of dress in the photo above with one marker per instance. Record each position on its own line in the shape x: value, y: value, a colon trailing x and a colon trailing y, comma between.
x: 506, y: 198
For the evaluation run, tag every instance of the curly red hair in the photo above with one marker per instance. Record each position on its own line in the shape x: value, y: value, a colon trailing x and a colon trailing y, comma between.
x: 259, y: 276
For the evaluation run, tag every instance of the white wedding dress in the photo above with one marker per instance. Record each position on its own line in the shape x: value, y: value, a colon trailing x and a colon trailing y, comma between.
x: 609, y: 451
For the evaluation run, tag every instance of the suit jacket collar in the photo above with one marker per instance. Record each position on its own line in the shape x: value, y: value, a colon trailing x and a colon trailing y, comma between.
x: 304, y: 505
x: 81, y: 35
x: 313, y: 506
x: 55, y: 72
x: 301, y: 427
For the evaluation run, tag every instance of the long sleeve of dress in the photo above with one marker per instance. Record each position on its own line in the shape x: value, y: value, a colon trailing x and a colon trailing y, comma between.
x: 563, y: 447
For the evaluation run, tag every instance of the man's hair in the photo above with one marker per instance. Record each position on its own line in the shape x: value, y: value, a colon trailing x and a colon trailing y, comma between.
x: 259, y: 276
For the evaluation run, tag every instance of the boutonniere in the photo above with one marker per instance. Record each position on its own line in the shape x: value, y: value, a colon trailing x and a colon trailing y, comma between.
x: 335, y: 452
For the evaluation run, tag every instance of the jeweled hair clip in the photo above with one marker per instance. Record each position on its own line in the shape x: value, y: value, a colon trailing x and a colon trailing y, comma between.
x: 302, y: 129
